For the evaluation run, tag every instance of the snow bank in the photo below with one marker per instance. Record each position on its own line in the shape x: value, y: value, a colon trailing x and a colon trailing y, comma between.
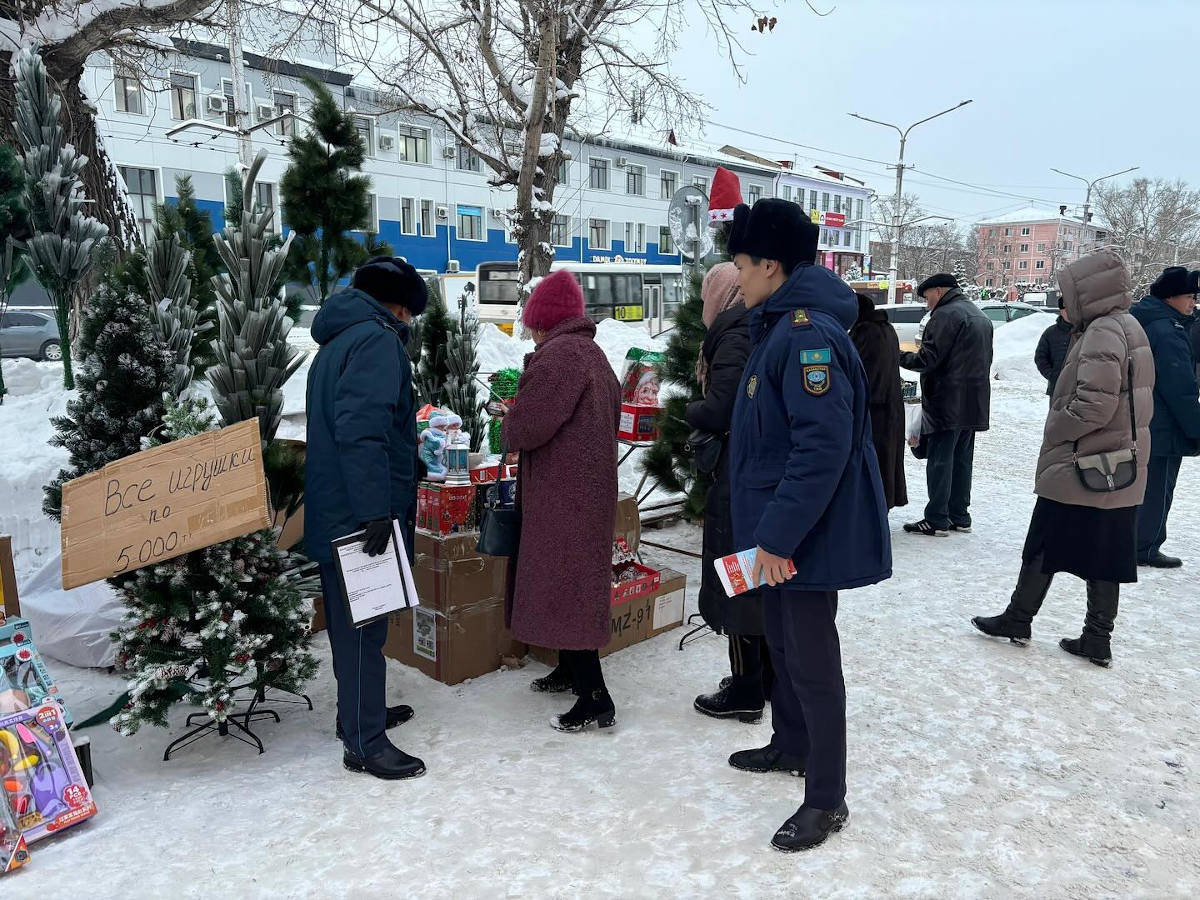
x: 1013, y: 349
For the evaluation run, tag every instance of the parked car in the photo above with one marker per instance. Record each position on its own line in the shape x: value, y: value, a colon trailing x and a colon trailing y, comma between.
x: 906, y: 320
x: 31, y: 334
x: 1001, y: 313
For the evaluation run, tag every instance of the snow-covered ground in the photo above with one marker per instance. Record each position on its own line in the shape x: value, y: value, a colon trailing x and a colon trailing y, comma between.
x: 977, y: 769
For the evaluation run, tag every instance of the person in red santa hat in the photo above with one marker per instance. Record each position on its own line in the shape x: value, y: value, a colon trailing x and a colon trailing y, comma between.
x: 565, y: 428
x: 726, y: 195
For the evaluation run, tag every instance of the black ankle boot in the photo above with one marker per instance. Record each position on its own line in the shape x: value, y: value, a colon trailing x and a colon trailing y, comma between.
x: 1094, y: 649
x: 596, y: 707
x: 1003, y: 626
x: 740, y: 699
x: 809, y: 827
x: 557, y: 682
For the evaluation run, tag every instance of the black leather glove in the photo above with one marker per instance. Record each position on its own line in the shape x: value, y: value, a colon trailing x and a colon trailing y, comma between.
x: 379, y: 532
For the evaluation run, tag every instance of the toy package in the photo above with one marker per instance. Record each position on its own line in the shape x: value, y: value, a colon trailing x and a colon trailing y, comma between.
x: 13, y: 852
x: 41, y: 774
x: 24, y: 679
x: 639, y: 396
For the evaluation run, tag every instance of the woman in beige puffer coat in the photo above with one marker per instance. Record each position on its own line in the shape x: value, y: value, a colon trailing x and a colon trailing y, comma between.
x: 1091, y: 534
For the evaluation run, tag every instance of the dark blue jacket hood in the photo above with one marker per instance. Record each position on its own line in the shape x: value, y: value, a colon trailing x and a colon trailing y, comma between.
x: 815, y: 288
x: 1151, y: 309
x: 351, y: 307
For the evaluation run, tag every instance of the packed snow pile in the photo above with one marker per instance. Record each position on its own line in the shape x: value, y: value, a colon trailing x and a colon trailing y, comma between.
x: 1013, y: 347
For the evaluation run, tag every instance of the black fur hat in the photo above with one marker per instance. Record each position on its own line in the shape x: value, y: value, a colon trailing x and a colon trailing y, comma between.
x: 774, y: 229
x: 392, y: 280
x: 1173, y: 282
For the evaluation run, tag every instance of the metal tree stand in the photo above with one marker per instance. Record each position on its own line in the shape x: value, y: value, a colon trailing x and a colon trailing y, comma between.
x: 236, y: 724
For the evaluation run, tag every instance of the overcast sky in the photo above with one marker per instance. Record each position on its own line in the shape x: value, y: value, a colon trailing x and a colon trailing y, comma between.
x: 1087, y: 86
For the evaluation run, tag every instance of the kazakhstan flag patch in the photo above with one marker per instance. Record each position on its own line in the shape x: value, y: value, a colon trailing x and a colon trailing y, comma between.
x: 815, y: 357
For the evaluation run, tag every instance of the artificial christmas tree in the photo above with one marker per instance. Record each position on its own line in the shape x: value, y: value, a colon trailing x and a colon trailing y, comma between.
x: 64, y: 238
x: 174, y: 312
x: 460, y: 392
x: 436, y: 328
x: 324, y: 200
x: 124, y: 373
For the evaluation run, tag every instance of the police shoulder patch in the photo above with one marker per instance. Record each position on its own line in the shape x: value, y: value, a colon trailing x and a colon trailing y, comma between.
x: 800, y: 318
x: 816, y: 379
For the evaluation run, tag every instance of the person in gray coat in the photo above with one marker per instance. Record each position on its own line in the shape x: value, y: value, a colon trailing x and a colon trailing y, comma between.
x: 1102, y: 404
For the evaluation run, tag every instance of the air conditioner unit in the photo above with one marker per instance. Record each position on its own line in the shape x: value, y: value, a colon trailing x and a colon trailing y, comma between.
x: 622, y: 162
x: 452, y: 267
x: 443, y: 212
x: 497, y: 214
x: 265, y: 111
x: 386, y: 142
x: 217, y: 103
x: 449, y: 151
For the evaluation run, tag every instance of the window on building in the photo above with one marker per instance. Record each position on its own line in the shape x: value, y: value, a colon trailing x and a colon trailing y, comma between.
x: 408, y: 215
x: 1024, y: 248
x: 1008, y: 232
x: 130, y: 98
x: 1041, y: 247
x: 1067, y: 245
x: 468, y: 159
x: 365, y: 126
x: 285, y: 105
x: 837, y: 203
x: 635, y: 181
x: 857, y: 240
x: 824, y: 201
x: 858, y: 213
x: 413, y: 142
x: 183, y: 96
x: 598, y: 234
x: 427, y: 218
x: 754, y: 193
x: 665, y: 244
x: 787, y: 192
x: 470, y: 223
x: 264, y: 201
x: 812, y: 201
x: 1040, y: 264
x: 701, y: 182
x: 372, y: 213
x: 845, y: 238
x: 564, y: 172
x: 142, y: 185
x: 560, y: 231
x: 598, y: 174
x: 987, y: 282
x: 1023, y: 264
x: 1007, y: 248
x: 1006, y: 265
x: 1024, y: 230
x: 991, y: 265
x: 635, y: 237
x: 668, y: 184
x: 230, y: 113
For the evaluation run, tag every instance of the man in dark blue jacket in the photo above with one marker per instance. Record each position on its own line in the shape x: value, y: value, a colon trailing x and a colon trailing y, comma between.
x: 805, y: 491
x: 361, y: 473
x: 1175, y: 429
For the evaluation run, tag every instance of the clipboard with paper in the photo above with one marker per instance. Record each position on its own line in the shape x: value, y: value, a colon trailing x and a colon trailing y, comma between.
x: 374, y: 586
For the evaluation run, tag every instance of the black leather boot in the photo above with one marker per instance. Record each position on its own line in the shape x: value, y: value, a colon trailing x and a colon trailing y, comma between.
x: 396, y: 715
x: 809, y: 827
x: 1026, y: 600
x: 557, y: 682
x: 741, y: 699
x: 1095, y: 642
x: 594, y: 708
x: 767, y: 759
x: 391, y: 764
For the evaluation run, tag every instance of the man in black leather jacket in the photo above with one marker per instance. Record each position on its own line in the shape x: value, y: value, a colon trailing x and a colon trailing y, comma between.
x: 955, y: 361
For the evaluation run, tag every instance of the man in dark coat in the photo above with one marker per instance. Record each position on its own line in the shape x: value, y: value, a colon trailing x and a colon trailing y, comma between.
x: 806, y: 493
x: 879, y: 348
x: 955, y: 362
x: 1175, y: 429
x: 1052, y: 349
x: 361, y: 473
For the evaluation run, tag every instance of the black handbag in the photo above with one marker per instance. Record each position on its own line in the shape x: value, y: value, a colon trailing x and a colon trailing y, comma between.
x: 705, y: 449
x: 1113, y: 470
x: 500, y: 528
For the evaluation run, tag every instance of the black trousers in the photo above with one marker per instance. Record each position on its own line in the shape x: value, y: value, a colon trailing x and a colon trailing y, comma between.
x: 584, y: 669
x: 948, y: 467
x: 1161, y: 474
x: 750, y: 663
x: 808, y: 702
x: 360, y: 670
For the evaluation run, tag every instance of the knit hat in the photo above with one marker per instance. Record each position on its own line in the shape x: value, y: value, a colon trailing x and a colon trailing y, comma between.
x: 774, y: 229
x: 726, y: 195
x: 936, y: 281
x: 719, y: 291
x: 1173, y: 282
x: 556, y: 299
x: 392, y: 280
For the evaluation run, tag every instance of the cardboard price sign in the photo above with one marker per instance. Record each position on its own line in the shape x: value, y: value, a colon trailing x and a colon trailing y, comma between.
x: 162, y: 503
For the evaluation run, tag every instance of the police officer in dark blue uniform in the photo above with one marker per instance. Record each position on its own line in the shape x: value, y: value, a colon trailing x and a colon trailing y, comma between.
x: 361, y: 473
x: 806, y: 491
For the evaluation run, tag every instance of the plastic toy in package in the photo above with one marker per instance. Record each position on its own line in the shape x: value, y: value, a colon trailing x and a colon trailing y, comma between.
x: 24, y: 679
x: 13, y: 851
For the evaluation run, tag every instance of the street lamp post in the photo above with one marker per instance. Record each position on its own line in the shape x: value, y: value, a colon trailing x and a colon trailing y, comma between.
x: 895, y: 253
x: 1087, y: 197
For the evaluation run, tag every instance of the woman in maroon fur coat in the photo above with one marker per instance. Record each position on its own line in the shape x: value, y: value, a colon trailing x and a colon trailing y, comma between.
x: 563, y: 422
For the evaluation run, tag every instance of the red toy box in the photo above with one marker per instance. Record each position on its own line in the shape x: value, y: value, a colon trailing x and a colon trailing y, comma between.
x: 446, y: 508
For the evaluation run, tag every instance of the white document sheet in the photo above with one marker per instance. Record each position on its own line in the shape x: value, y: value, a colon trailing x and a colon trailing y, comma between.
x: 375, y: 585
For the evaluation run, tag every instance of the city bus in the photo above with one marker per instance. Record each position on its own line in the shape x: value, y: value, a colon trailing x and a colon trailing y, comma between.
x: 624, y: 291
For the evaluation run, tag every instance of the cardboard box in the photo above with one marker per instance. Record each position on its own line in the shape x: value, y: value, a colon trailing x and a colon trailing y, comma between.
x: 10, y: 606
x: 639, y: 619
x: 458, y: 630
x: 638, y: 423
x: 164, y: 502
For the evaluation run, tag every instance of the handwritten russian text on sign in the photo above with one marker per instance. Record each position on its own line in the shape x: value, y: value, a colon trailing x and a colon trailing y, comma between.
x: 161, y: 503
